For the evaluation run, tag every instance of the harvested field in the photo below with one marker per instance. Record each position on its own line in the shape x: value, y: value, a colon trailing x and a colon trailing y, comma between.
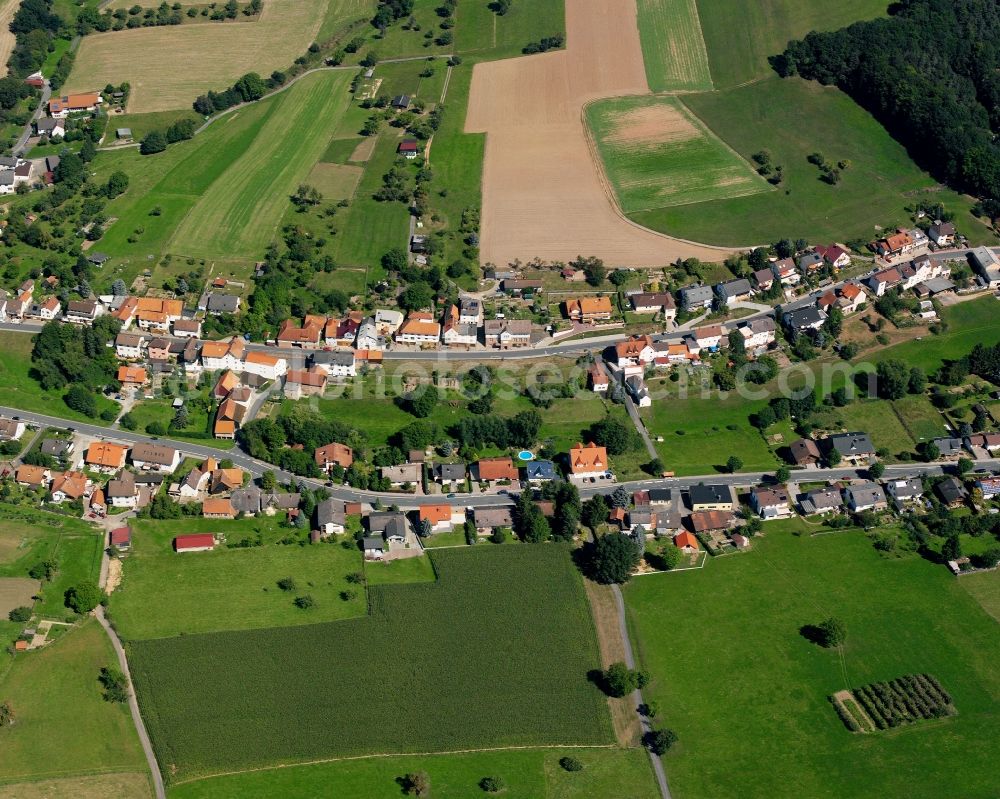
x: 16, y: 592
x: 7, y: 39
x: 657, y: 154
x: 335, y: 181
x: 102, y: 786
x: 539, y: 174
x: 363, y: 151
x: 213, y: 55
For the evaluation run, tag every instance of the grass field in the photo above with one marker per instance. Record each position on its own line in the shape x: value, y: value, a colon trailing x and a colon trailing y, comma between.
x: 130, y: 784
x: 164, y: 593
x: 160, y: 410
x: 699, y: 434
x: 742, y: 615
x: 921, y: 419
x: 437, y: 666
x: 877, y: 418
x: 335, y: 181
x: 483, y: 34
x: 64, y: 727
x: 169, y: 66
x: 19, y: 390
x: 141, y: 124
x: 673, y: 48
x: 657, y: 154
x: 238, y: 214
x: 780, y: 116
x: 740, y: 34
x: 529, y: 775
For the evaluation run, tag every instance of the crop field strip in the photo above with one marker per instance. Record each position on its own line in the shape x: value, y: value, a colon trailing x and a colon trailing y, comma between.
x: 169, y: 66
x: 494, y: 654
x: 657, y: 154
x: 673, y: 48
x: 238, y: 214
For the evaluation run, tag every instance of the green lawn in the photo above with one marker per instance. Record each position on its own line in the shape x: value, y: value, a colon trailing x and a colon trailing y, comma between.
x: 166, y: 593
x: 238, y: 214
x: 700, y: 434
x: 19, y: 390
x: 528, y: 774
x: 733, y: 674
x: 880, y: 421
x: 921, y: 419
x: 673, y: 48
x: 141, y: 124
x: 453, y: 538
x: 493, y: 654
x: 678, y: 162
x: 399, y: 571
x: 63, y: 726
x: 780, y: 116
x: 740, y: 34
x: 161, y: 410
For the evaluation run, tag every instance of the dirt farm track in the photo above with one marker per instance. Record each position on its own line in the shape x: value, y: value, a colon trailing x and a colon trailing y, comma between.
x: 543, y: 190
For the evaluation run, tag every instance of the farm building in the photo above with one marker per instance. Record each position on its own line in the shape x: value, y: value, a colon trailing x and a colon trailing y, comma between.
x: 195, y: 542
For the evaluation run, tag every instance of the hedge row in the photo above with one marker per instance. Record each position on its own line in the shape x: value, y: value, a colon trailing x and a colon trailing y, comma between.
x: 903, y: 700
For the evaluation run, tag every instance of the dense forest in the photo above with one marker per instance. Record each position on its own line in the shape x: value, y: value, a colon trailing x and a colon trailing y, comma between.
x: 929, y: 73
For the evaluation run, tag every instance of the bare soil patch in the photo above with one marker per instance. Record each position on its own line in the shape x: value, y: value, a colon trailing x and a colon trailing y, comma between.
x: 364, y: 150
x: 544, y: 193
x: 114, y: 575
x: 16, y: 592
x: 653, y: 124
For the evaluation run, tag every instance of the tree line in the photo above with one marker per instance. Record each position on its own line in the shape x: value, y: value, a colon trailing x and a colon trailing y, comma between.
x: 930, y: 73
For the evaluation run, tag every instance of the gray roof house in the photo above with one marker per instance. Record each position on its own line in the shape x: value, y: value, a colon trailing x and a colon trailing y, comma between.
x: 951, y: 491
x: 491, y: 518
x: 696, y: 297
x: 449, y: 472
x: 904, y: 490
x: 811, y: 260
x: 56, y: 447
x: 380, y: 521
x: 821, y: 500
x: 221, y: 303
x: 540, y: 470
x: 865, y: 496
x: 733, y: 290
x: 949, y: 447
x: 806, y: 318
x: 852, y: 446
x: 331, y: 516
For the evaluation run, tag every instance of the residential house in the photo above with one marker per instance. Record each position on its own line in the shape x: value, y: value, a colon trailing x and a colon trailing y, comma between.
x: 708, y: 521
x: 470, y: 311
x: 418, y: 329
x: 894, y: 245
x: 57, y: 447
x: 222, y: 481
x: 11, y: 429
x: 441, y: 517
x: 786, y: 272
x: 495, y: 470
x: 450, y: 475
x: 218, y: 508
x: 686, y: 542
x: 589, y: 310
x: 771, y: 502
x: 151, y: 457
x: 158, y: 349
x: 520, y: 288
x: 187, y: 328
x: 216, y: 303
x: 129, y: 346
x: 331, y: 517
x: 392, y: 525
x: 804, y: 452
x: 804, y: 318
x: 456, y: 332
x: 764, y: 278
x: 656, y: 302
x: 122, y: 491
x: 219, y: 355
x: 834, y: 254
x: 69, y: 486
x: 856, y: 448
x: 596, y: 379
x: 952, y: 492
x: 409, y: 148
x: 708, y: 338
x: 587, y: 461
x: 196, y: 542
x: 31, y: 476
x: 696, y: 298
x: 865, y: 496
x: 989, y: 486
x: 985, y: 262
x: 507, y: 333
x: 83, y: 312
x: 538, y: 472
x: 105, y: 456
x: 982, y: 444
x: 734, y: 291
x: 572, y: 275
x: 132, y: 376
x: 64, y: 105
x: 387, y: 322
x: 821, y: 501
x: 634, y: 351
x: 309, y: 382
x: 405, y: 474
x: 46, y: 310
x: 711, y: 497
x: 265, y: 365
x: 487, y: 520
x: 950, y: 449
x: 884, y: 279
x: 47, y: 126
x: 903, y: 492
x: 336, y: 363
x: 332, y: 455
x: 228, y: 381
x: 942, y: 233
x: 638, y: 391
x: 374, y: 547
x: 809, y: 262
x: 851, y: 298
x: 758, y: 334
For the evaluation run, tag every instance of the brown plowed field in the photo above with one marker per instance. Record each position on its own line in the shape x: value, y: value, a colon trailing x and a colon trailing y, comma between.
x: 543, y: 189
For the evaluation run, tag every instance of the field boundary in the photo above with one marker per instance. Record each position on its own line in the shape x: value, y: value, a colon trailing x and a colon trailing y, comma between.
x: 383, y: 755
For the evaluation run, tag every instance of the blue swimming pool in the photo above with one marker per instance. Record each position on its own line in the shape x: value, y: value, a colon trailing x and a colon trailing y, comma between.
x: 524, y: 455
